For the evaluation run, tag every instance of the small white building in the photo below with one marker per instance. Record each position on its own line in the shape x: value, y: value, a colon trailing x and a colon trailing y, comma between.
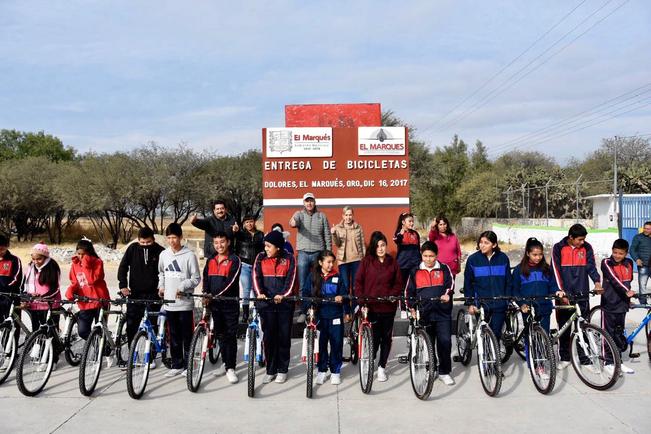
x: 604, y: 210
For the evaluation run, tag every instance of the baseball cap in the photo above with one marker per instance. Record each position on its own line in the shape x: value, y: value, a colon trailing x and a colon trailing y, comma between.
x: 307, y: 196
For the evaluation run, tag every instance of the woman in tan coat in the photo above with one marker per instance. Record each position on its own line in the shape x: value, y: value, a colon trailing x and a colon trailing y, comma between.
x: 349, y: 239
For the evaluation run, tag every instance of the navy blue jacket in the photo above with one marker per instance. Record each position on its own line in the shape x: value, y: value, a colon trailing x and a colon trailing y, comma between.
x: 488, y: 278
x: 424, y: 283
x: 331, y: 286
x: 572, y: 266
x: 617, y: 281
x: 408, y: 255
x: 537, y: 284
x: 223, y: 278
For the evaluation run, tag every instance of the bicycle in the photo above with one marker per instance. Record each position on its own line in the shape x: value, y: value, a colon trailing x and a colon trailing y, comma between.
x: 310, y: 349
x: 37, y: 359
x: 350, y: 341
x: 253, y: 349
x: 512, y: 334
x: 95, y: 348
x: 596, y: 317
x: 480, y: 335
x: 204, y: 342
x: 365, y: 355
x: 144, y: 343
x: 10, y: 331
x: 594, y: 354
x: 423, y: 365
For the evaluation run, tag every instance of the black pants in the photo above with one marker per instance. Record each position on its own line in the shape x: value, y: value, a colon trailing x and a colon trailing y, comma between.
x: 5, y: 306
x: 440, y: 334
x: 134, y: 316
x: 85, y: 321
x: 382, y: 335
x: 181, y: 327
x: 226, y: 320
x: 277, y: 327
x: 564, y: 341
x: 613, y: 323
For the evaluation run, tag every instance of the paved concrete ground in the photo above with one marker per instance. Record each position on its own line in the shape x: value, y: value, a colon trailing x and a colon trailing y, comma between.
x: 391, y: 407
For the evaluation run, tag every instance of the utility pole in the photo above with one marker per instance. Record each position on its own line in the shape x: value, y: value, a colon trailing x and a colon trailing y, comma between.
x: 524, y: 208
x: 508, y: 202
x: 547, y: 201
x: 577, y: 196
x: 615, y: 169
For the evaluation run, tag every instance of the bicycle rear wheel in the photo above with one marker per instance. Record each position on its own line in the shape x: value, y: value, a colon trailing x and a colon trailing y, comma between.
x: 310, y: 362
x: 251, y: 336
x: 464, y: 350
x: 121, y: 342
x: 596, y: 315
x: 510, y: 330
x: 8, y: 350
x: 138, y: 366
x: 35, y: 364
x: 91, y: 362
x: 366, y: 360
x: 196, y: 358
x: 422, y: 366
x: 488, y: 362
x: 541, y: 360
x: 74, y: 344
x: 598, y: 362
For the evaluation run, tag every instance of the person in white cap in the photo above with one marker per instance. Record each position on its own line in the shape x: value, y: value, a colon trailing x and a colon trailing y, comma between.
x: 313, y: 237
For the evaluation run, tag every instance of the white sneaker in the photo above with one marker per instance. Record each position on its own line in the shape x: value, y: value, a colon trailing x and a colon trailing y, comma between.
x: 447, y: 380
x: 54, y: 367
x: 626, y: 369
x: 5, y: 365
x: 219, y: 371
x: 281, y: 378
x: 268, y: 378
x: 335, y: 379
x: 382, y: 375
x: 403, y: 314
x: 152, y: 365
x: 562, y: 365
x: 108, y: 361
x: 609, y: 369
x: 184, y: 373
x: 231, y: 376
x: 174, y: 372
x: 321, y: 377
x: 542, y: 374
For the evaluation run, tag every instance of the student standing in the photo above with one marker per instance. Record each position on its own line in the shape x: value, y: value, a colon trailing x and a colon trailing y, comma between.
x: 11, y: 275
x: 408, y: 242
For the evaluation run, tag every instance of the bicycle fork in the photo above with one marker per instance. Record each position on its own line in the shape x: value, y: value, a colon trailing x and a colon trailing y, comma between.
x: 317, y: 334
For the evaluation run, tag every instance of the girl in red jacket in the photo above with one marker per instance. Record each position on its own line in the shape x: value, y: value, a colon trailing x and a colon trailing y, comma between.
x: 379, y: 276
x: 87, y: 279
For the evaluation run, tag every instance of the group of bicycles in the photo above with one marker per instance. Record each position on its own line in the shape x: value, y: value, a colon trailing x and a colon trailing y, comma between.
x: 594, y: 355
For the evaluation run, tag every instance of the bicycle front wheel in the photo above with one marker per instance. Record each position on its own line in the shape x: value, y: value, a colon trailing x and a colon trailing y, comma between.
x: 91, y: 362
x: 251, y: 337
x: 310, y: 362
x: 595, y: 317
x: 541, y: 360
x: 595, y: 358
x: 366, y: 361
x: 422, y: 366
x: 138, y: 366
x: 197, y: 358
x: 510, y: 330
x: 464, y: 350
x: 74, y: 344
x: 121, y: 342
x: 8, y: 350
x: 35, y: 364
x: 488, y: 361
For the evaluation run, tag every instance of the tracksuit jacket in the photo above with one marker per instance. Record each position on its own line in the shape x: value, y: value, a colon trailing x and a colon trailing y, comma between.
x: 222, y: 277
x: 486, y: 277
x: 537, y: 284
x: 408, y: 249
x: 572, y: 266
x: 274, y: 276
x: 430, y: 283
x: 11, y: 276
x: 330, y: 288
x: 617, y: 281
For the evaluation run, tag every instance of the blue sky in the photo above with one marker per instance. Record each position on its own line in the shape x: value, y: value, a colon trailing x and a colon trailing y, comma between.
x: 113, y: 75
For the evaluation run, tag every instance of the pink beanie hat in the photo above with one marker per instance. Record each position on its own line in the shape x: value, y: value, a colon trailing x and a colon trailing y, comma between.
x: 41, y: 249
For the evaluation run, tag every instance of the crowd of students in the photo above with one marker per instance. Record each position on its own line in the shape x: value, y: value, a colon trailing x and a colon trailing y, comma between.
x: 243, y: 262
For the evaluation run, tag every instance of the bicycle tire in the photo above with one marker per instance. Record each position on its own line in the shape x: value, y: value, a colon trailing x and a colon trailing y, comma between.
x: 464, y: 350
x: 139, y: 363
x: 33, y: 356
x: 647, y: 330
x: 251, y: 362
x: 509, y: 334
x: 121, y: 342
x: 310, y: 362
x: 421, y: 353
x: 214, y: 353
x: 595, y: 316
x: 91, y: 362
x: 74, y: 344
x: 352, y: 339
x: 366, y: 362
x: 541, y: 360
x: 488, y: 362
x: 196, y: 359
x: 519, y: 348
x: 8, y: 350
x: 607, y: 350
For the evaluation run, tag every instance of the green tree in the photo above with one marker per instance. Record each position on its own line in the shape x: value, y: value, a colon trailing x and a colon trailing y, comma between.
x: 18, y: 144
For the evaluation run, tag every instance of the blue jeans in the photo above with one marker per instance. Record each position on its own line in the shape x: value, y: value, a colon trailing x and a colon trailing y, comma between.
x: 305, y: 261
x: 246, y: 283
x: 642, y: 279
x: 333, y: 334
x: 347, y: 273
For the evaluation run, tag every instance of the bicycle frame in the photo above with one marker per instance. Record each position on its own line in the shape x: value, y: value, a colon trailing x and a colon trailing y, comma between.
x: 158, y: 340
x: 207, y: 322
x: 257, y: 329
x: 310, y: 324
x: 574, y: 324
x: 630, y: 337
x: 363, y: 314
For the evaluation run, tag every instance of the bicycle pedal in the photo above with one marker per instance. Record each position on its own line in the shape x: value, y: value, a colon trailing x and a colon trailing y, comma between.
x: 456, y: 359
x: 634, y: 355
x: 403, y: 360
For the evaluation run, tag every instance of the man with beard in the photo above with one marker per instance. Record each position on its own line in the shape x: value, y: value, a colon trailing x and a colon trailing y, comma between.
x: 219, y: 221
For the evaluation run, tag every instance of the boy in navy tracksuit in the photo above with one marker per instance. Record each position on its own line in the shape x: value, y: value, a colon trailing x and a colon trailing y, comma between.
x: 325, y: 282
x: 11, y: 276
x: 408, y: 242
x: 573, y: 262
x: 616, y: 299
x: 433, y: 279
x: 488, y: 274
x: 221, y: 277
x: 274, y: 273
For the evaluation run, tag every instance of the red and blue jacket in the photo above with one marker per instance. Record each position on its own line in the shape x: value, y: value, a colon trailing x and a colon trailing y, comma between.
x: 538, y: 283
x: 408, y: 244
x: 11, y: 276
x: 274, y: 276
x: 221, y: 276
x: 430, y: 283
x: 617, y: 281
x: 572, y: 266
x: 331, y: 286
x: 484, y: 277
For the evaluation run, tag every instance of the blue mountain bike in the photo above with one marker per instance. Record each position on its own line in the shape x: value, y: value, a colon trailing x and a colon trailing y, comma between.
x: 596, y: 317
x: 253, y: 349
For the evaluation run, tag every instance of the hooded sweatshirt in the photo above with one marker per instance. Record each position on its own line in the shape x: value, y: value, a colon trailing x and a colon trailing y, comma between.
x: 178, y: 271
x: 87, y: 279
x: 140, y: 264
